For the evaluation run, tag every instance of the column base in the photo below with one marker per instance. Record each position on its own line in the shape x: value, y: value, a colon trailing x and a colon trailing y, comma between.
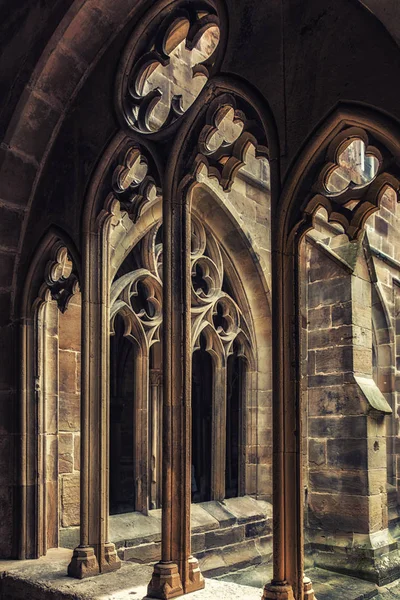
x: 111, y: 559
x: 308, y: 592
x: 196, y: 579
x: 278, y: 590
x: 165, y: 582
x: 83, y: 563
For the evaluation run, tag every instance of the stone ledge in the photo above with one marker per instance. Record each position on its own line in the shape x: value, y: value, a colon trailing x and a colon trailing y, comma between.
x: 45, y: 579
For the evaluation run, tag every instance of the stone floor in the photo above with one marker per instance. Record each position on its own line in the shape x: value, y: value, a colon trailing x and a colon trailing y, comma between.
x: 327, y: 585
x: 45, y: 579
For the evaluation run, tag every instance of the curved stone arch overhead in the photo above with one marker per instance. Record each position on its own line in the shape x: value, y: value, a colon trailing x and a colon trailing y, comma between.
x: 69, y: 57
x: 293, y: 220
x: 53, y: 277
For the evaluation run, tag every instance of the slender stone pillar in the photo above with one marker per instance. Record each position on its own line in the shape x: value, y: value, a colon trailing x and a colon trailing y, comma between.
x: 219, y: 434
x: 95, y: 554
x: 155, y: 380
x: 178, y: 571
x: 287, y: 514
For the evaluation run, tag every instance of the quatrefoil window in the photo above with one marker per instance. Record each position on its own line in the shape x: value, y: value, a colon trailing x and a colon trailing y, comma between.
x: 227, y: 129
x: 171, y: 74
x: 354, y: 168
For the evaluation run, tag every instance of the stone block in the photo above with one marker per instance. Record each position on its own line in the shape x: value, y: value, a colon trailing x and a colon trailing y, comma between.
x: 8, y: 448
x: 324, y: 338
x: 70, y: 494
x: 319, y: 318
x: 201, y: 520
x: 347, y: 453
x: 336, y: 400
x: 70, y: 328
x: 350, y: 482
x: 144, y: 554
x: 224, y: 537
x: 8, y: 369
x: 258, y: 529
x: 87, y: 33
x: 51, y: 449
x: 17, y: 175
x: 334, y: 360
x: 198, y: 542
x: 323, y: 293
x: 316, y: 453
x: 7, y: 260
x: 67, y: 372
x: 10, y: 227
x: 342, y: 314
x: 338, y: 427
x: 32, y: 126
x: 6, y: 520
x: 246, y: 509
x: 65, y: 453
x: 219, y: 512
x: 325, y: 380
x: 338, y: 512
x: 69, y: 412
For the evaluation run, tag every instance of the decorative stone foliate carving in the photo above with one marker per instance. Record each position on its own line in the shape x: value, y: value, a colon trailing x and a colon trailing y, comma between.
x: 61, y: 278
x: 164, y: 71
x: 352, y: 181
x: 225, y: 139
x: 133, y: 182
x: 137, y: 296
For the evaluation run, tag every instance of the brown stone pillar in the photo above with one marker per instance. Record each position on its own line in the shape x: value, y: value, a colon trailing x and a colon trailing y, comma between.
x: 287, y: 519
x: 178, y: 571
x: 95, y: 553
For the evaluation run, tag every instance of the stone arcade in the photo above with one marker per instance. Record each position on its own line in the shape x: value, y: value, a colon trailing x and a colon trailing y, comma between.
x: 200, y: 296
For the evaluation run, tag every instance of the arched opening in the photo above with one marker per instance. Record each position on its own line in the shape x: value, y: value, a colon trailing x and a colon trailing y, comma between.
x: 202, y: 408
x: 123, y: 356
x: 236, y: 389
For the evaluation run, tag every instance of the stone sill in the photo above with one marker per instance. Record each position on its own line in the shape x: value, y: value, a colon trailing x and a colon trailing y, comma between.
x: 134, y: 529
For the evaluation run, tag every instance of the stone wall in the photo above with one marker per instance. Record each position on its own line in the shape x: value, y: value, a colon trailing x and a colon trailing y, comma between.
x: 69, y: 412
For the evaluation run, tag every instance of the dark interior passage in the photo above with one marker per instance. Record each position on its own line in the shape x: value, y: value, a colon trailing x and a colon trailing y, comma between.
x: 202, y: 390
x: 235, y: 378
x: 122, y: 368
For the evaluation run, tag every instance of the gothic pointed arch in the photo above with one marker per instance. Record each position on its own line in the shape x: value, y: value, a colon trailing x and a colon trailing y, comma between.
x: 326, y: 174
x: 52, y: 281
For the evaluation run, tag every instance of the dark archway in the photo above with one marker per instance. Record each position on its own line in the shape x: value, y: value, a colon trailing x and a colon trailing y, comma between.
x: 202, y: 394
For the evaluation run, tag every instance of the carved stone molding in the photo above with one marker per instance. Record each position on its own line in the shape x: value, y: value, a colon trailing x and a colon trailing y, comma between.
x: 133, y: 180
x: 60, y: 277
x: 228, y: 132
x: 137, y: 297
x: 352, y: 180
x: 167, y: 62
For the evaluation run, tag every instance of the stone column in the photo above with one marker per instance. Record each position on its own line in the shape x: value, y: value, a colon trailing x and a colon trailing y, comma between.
x: 347, y: 500
x: 155, y: 381
x: 177, y: 572
x: 95, y: 553
x: 218, y: 433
